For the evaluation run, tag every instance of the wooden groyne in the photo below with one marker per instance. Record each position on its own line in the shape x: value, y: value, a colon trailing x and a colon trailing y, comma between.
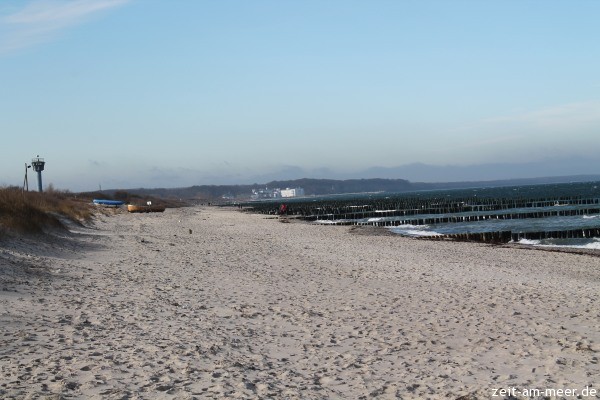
x: 400, y: 207
x: 403, y: 210
x: 447, y: 219
x: 569, y: 234
x: 509, y: 236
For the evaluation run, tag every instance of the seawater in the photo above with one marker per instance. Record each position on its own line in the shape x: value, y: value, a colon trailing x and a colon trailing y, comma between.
x: 493, y: 222
x: 516, y: 226
x: 546, y: 224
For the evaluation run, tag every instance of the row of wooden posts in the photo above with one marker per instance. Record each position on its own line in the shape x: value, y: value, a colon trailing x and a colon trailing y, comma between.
x: 400, y: 207
x: 389, y: 213
x: 508, y: 236
x: 445, y: 219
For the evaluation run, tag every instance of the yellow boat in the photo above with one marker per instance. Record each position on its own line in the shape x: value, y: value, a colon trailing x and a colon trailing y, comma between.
x: 144, y: 209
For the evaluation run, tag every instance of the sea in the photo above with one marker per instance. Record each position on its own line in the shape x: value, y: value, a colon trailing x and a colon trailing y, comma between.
x: 552, y: 215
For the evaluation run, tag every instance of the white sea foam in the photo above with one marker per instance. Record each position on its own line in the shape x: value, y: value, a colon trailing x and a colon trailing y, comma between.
x: 326, y: 222
x: 410, y: 226
x: 593, y: 244
x: 590, y: 216
x: 413, y: 230
x: 421, y: 233
x: 530, y: 242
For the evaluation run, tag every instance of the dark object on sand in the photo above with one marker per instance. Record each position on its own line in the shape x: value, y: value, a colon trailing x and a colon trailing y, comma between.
x: 144, y: 209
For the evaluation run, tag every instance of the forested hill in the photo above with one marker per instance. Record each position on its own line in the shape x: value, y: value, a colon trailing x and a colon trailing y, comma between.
x: 331, y: 186
x: 310, y: 186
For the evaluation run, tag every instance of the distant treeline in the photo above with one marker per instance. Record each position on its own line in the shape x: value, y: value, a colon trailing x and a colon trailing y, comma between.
x: 317, y: 187
x: 310, y: 186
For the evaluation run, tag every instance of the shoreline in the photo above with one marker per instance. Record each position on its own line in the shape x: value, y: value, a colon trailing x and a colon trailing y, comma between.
x: 381, y: 231
x: 204, y: 302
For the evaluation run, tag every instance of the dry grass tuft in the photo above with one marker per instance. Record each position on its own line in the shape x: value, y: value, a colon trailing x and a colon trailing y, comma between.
x: 33, y: 212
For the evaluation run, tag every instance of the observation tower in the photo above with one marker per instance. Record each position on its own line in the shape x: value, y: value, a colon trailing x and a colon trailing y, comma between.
x: 38, y: 166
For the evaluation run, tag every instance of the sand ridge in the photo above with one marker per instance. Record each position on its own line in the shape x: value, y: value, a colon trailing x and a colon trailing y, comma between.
x: 214, y: 303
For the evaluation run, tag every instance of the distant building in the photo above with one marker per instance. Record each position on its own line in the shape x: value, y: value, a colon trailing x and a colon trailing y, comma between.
x: 296, y: 192
x: 265, y: 194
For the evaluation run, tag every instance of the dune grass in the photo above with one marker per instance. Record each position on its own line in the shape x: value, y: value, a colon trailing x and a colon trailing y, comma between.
x: 33, y: 212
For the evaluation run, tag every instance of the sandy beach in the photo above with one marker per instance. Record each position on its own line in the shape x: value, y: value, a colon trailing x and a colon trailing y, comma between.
x: 207, y: 302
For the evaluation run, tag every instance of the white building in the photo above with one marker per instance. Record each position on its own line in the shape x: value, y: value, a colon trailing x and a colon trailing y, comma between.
x: 265, y: 194
x: 296, y: 192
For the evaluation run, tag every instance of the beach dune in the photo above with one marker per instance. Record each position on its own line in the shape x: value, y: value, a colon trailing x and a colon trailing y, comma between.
x: 215, y: 303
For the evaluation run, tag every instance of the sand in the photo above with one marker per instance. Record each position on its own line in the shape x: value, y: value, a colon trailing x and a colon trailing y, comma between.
x: 214, y: 303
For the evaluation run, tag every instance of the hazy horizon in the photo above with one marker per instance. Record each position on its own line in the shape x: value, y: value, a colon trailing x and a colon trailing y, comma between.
x: 415, y: 173
x: 131, y: 93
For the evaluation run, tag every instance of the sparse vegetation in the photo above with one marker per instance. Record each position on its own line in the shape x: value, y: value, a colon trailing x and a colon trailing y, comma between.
x: 33, y: 212
x: 133, y: 198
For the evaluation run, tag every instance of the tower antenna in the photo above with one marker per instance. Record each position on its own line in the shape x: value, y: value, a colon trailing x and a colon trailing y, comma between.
x: 25, y: 180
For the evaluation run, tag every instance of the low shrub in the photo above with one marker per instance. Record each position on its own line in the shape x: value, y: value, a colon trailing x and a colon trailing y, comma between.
x: 32, y: 212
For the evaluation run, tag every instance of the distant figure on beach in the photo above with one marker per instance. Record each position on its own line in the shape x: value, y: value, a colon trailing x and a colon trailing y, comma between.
x: 283, y: 209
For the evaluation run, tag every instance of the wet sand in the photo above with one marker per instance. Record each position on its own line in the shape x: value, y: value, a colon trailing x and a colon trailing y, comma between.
x: 214, y: 303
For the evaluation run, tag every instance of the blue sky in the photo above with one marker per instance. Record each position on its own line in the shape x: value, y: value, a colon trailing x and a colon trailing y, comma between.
x: 149, y: 93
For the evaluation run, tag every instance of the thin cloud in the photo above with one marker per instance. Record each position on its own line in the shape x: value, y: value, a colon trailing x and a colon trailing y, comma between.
x: 42, y: 20
x: 574, y: 119
x: 480, y: 143
x: 568, y: 116
x: 95, y: 163
x: 538, y: 132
